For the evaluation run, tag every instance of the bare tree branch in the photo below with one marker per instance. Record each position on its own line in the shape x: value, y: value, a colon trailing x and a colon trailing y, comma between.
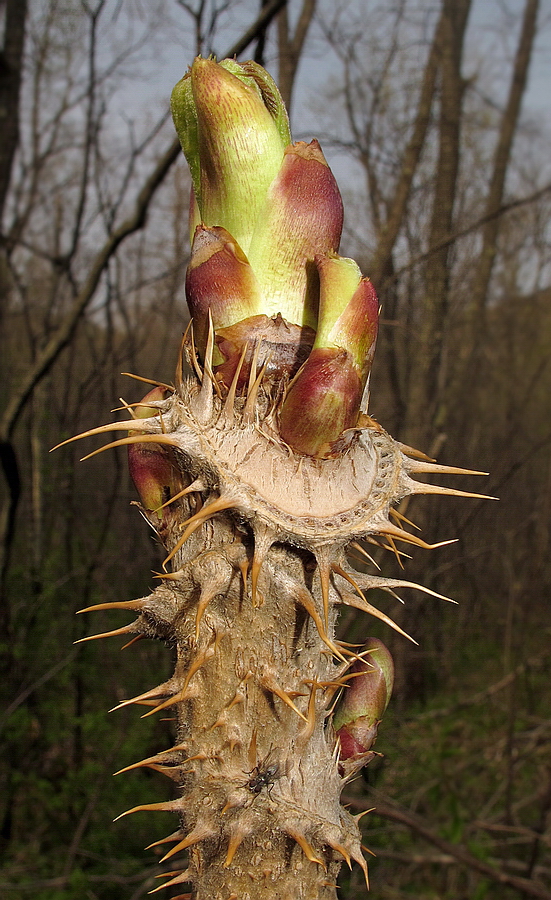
x: 387, y: 809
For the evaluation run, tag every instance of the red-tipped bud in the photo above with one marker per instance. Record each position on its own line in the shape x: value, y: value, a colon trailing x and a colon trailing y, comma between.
x: 302, y: 218
x: 324, y: 399
x: 322, y: 402
x: 348, y: 311
x: 362, y: 706
x: 152, y: 467
x: 220, y: 279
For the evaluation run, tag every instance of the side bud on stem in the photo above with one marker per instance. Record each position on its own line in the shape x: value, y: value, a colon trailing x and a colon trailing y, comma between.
x: 324, y: 399
x: 362, y: 706
x: 152, y: 467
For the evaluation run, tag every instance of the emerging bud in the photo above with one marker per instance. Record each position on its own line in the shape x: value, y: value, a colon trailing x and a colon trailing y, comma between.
x: 152, y: 466
x: 324, y: 399
x: 322, y: 402
x: 233, y: 128
x: 362, y: 706
x: 220, y: 279
x: 348, y: 311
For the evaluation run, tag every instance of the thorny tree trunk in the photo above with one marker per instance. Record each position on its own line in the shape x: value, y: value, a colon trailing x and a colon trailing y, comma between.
x: 258, y: 473
x: 257, y: 544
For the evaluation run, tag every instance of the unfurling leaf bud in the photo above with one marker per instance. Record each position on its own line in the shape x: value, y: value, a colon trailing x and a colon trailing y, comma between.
x: 233, y: 128
x: 362, y: 706
x: 152, y: 467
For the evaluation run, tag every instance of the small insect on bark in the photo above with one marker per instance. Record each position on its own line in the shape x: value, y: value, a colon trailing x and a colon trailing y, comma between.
x: 261, y: 777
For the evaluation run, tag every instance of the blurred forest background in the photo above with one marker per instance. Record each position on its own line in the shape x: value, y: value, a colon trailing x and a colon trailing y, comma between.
x: 428, y: 113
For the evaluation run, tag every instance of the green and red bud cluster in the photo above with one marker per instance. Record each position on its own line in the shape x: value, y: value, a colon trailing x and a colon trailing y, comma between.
x: 362, y: 705
x: 266, y: 220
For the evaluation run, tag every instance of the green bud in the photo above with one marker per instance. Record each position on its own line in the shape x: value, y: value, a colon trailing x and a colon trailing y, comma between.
x: 232, y: 140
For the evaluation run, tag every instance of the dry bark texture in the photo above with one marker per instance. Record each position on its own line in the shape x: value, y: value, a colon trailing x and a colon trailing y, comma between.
x: 256, y: 537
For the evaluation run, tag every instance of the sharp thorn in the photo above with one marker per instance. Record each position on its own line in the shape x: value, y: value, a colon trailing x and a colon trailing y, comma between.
x: 305, y: 846
x: 115, y: 604
x: 199, y: 833
x: 193, y: 357
x: 161, y: 384
x: 126, y: 629
x: 164, y: 806
x: 271, y: 685
x: 196, y: 485
x: 361, y: 603
x: 134, y: 439
x: 230, y: 399
x: 196, y: 520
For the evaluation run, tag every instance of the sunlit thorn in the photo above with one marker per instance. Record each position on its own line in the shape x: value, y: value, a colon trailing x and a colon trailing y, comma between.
x: 361, y: 603
x: 342, y: 850
x: 271, y: 685
x: 199, y: 833
x: 230, y: 399
x: 207, y: 594
x: 363, y: 865
x: 179, y: 374
x: 182, y: 694
x: 161, y: 690
x: 134, y: 439
x: 254, y: 366
x: 394, y: 549
x: 196, y: 485
x: 139, y: 637
x: 165, y: 756
x: 424, y: 487
x: 193, y: 356
x: 364, y: 553
x: 139, y: 425
x: 306, y: 600
x: 127, y: 407
x: 305, y: 846
x: 161, y: 384
x: 325, y: 574
x: 385, y: 583
x: 236, y: 838
x: 399, y: 534
x: 344, y: 574
x: 397, y: 515
x: 113, y: 604
x: 360, y: 816
x: 203, y: 402
x: 164, y: 806
x: 250, y: 404
x: 307, y: 730
x: 426, y: 465
x: 175, y: 836
x: 126, y: 629
x: 181, y: 876
x: 196, y: 520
